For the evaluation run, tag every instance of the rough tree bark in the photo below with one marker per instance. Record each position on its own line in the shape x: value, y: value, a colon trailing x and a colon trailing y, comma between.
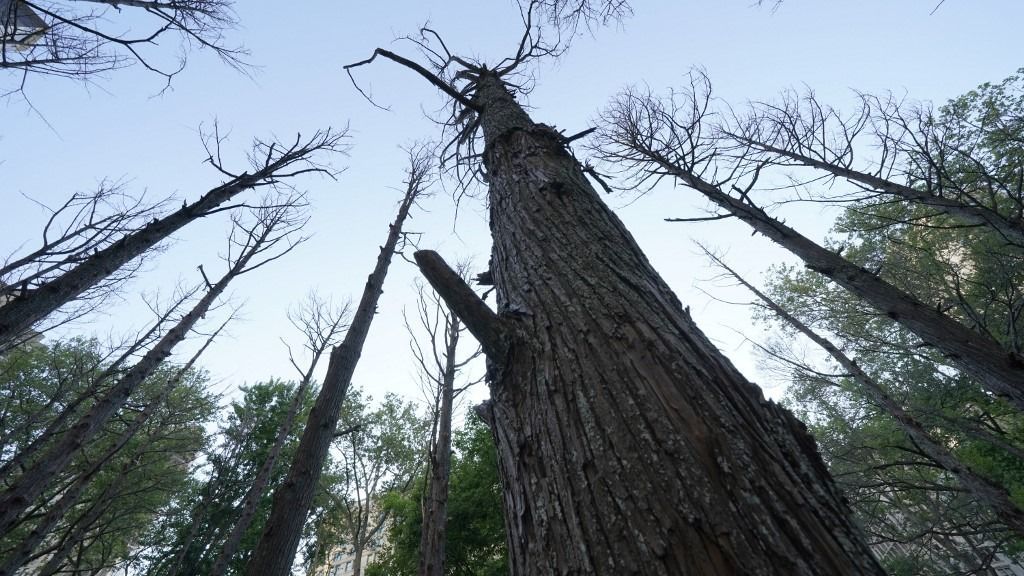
x: 981, y: 488
x: 275, y: 552
x: 627, y: 443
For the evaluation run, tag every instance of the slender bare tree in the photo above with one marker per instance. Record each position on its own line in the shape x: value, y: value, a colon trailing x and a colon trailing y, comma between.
x: 322, y: 325
x: 984, y: 490
x: 439, y: 365
x: 93, y: 248
x: 292, y: 500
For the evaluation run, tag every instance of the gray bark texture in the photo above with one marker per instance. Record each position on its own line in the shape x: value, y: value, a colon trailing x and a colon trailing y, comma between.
x: 627, y: 443
x: 293, y: 498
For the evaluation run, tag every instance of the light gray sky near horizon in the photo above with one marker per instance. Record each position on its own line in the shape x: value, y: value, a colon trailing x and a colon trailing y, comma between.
x: 116, y: 129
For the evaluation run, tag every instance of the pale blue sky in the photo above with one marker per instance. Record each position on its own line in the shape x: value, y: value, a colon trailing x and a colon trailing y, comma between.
x: 117, y: 129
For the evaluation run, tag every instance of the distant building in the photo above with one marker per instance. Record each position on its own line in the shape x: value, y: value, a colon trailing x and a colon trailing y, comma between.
x: 340, y: 559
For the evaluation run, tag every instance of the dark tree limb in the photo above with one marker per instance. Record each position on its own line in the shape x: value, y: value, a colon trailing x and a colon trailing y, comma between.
x: 419, y: 69
x: 483, y: 322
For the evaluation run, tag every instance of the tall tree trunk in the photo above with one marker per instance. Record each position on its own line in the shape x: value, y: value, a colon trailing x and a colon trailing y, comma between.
x: 999, y: 371
x: 981, y: 488
x: 435, y: 506
x: 357, y: 557
x: 627, y: 443
x: 292, y: 500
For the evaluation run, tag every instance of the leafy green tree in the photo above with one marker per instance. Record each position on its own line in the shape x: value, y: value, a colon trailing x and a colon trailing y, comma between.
x: 922, y: 519
x: 188, y: 537
x: 476, y: 531
x: 378, y: 452
x: 101, y: 526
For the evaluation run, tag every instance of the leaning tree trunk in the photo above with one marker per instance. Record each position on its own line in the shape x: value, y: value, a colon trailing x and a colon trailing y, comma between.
x: 277, y: 162
x: 433, y: 535
x: 999, y: 371
x: 1011, y: 229
x: 293, y: 498
x: 20, y: 314
x: 251, y: 502
x: 627, y: 443
x: 69, y: 496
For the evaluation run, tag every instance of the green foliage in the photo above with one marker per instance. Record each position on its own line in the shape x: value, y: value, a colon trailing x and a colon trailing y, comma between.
x: 380, y: 453
x: 476, y: 531
x: 39, y: 382
x: 913, y: 508
x: 204, y: 512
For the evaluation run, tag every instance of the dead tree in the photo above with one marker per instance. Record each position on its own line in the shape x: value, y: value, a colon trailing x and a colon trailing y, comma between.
x: 43, y: 291
x: 919, y: 160
x: 439, y: 365
x: 649, y: 139
x: 627, y: 443
x: 87, y: 37
x: 322, y: 325
x: 251, y: 246
x: 985, y: 491
x: 276, y: 549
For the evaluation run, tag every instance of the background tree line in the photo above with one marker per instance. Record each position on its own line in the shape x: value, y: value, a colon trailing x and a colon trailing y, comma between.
x: 916, y: 301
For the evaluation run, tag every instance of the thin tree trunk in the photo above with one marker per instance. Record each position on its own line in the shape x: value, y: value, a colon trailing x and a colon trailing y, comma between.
x: 627, y: 443
x: 78, y: 533
x: 986, y: 492
x: 998, y: 370
x: 357, y: 557
x: 69, y: 409
x: 275, y: 552
x: 255, y: 493
x: 435, y: 507
x: 31, y: 484
x: 19, y: 315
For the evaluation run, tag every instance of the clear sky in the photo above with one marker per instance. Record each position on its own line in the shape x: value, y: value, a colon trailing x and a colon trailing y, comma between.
x: 117, y: 129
